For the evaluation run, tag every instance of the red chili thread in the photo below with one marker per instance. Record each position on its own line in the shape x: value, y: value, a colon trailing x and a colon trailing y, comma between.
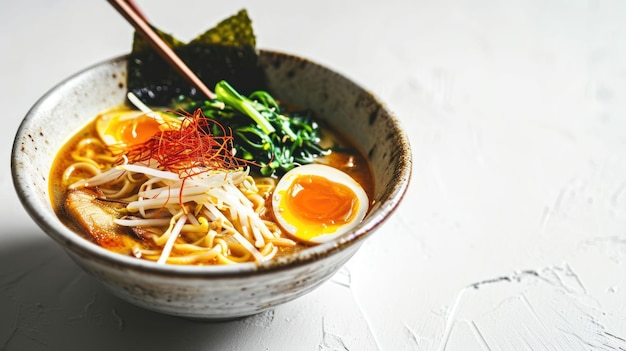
x: 190, y: 149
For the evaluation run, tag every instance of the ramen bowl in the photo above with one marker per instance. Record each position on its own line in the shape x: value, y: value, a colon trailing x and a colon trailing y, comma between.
x: 213, y: 292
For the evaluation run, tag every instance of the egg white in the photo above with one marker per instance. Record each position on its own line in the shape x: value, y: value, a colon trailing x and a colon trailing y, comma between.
x: 331, y: 174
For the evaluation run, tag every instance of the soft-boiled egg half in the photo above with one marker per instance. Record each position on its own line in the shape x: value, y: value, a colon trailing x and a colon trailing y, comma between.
x: 121, y: 127
x: 317, y: 203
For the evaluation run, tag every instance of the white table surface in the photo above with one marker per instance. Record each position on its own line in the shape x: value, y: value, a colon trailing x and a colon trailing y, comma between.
x: 512, y: 235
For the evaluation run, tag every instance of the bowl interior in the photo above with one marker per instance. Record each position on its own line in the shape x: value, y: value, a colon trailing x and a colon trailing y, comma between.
x: 73, y: 103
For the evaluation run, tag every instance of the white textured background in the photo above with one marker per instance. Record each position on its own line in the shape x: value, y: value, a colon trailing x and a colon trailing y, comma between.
x: 512, y: 235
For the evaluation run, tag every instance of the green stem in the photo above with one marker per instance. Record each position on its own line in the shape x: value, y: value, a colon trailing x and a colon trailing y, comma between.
x: 230, y: 96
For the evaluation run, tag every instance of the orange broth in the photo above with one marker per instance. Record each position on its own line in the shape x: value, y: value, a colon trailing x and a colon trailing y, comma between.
x: 348, y: 160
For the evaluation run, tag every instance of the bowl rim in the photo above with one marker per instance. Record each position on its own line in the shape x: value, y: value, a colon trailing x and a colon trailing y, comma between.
x: 78, y: 246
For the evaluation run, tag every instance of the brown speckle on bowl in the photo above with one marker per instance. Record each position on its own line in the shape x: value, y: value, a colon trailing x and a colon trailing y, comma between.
x: 370, y: 153
x: 276, y: 62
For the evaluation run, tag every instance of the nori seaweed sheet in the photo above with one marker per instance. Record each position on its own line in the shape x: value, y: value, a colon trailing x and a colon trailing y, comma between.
x: 225, y: 52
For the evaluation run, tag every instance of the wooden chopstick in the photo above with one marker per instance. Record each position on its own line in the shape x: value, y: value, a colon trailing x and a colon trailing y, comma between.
x: 135, y: 8
x: 132, y: 14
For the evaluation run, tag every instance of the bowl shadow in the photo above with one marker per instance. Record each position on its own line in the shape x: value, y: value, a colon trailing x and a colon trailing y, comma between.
x: 48, y: 302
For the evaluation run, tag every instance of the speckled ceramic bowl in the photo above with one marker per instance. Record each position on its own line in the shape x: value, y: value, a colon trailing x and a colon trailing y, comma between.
x: 224, y: 292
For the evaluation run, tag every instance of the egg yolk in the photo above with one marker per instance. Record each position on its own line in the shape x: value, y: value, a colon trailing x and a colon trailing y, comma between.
x: 316, y: 205
x: 133, y: 131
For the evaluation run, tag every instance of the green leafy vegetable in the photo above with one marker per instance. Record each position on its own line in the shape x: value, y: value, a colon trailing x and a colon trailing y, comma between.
x: 276, y: 141
x: 227, y: 94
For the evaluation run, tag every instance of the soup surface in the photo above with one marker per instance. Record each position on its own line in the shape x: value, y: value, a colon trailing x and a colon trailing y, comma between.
x: 200, y: 215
